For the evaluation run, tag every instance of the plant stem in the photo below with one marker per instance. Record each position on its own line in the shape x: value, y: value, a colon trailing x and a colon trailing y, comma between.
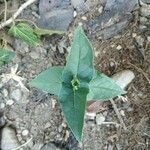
x: 17, y: 13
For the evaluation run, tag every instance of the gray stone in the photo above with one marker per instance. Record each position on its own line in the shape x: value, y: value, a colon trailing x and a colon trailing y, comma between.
x: 20, y: 46
x: 145, y: 11
x: 9, y: 140
x: 113, y: 20
x: 121, y: 6
x: 34, y: 55
x: 16, y: 95
x: 56, y: 15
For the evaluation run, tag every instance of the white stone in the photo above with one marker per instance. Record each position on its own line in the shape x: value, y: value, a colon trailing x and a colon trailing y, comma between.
x: 123, y: 78
x: 122, y: 113
x: 74, y: 14
x: 84, y: 18
x: 148, y: 38
x: 25, y: 132
x: 139, y: 40
x: 119, y: 47
x: 90, y: 115
x: 10, y: 102
x: 134, y: 35
x: 2, y: 105
x: 9, y: 140
x: 5, y: 92
x: 100, y: 119
x: 100, y: 10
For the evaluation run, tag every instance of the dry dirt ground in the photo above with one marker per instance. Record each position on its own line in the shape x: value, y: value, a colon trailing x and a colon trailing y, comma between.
x: 39, y: 114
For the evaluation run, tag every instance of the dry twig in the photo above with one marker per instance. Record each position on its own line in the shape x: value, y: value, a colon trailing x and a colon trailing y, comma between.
x: 21, y: 8
x: 23, y: 144
x: 118, y: 114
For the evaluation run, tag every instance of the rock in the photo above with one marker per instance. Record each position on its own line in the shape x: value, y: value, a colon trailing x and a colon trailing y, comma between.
x: 146, y: 1
x: 90, y: 116
x: 25, y: 132
x: 123, y: 78
x: 9, y: 140
x: 5, y: 92
x: 121, y: 6
x: 139, y: 40
x: 100, y: 119
x: 143, y: 20
x: 145, y: 11
x: 119, y: 47
x: 113, y: 20
x: 16, y: 95
x: 10, y: 102
x: 55, y: 14
x: 2, y: 120
x: 102, y: 27
x: 49, y: 146
x: 78, y: 4
x: 20, y: 46
x: 34, y: 55
x: 2, y: 105
x: 37, y: 146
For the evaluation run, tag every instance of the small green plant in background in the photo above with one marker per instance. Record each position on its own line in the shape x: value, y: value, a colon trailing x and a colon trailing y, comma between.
x: 77, y: 82
x: 24, y: 32
x: 30, y: 35
x: 5, y: 56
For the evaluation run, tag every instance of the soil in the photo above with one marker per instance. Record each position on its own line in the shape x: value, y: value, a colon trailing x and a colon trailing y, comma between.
x: 40, y: 114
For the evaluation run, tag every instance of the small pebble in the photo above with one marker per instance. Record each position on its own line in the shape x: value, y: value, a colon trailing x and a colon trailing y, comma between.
x: 119, y: 47
x: 16, y: 95
x: 139, y: 40
x: 25, y: 132
x: 145, y: 11
x: 10, y: 102
x: 84, y: 18
x: 100, y: 10
x: 100, y: 119
x: 148, y: 38
x: 134, y: 35
x: 5, y: 92
x: 122, y: 113
x: 90, y: 116
x: 2, y: 105
x: 74, y: 14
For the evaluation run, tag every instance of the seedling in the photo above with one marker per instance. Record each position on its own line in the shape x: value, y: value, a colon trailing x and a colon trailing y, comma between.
x: 30, y: 35
x: 25, y: 33
x: 77, y: 82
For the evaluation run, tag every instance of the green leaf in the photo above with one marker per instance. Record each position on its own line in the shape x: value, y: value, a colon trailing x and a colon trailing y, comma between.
x: 6, y: 56
x: 103, y: 88
x: 73, y: 104
x: 25, y: 33
x: 49, y: 80
x: 76, y: 76
x: 40, y: 32
x: 80, y: 58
